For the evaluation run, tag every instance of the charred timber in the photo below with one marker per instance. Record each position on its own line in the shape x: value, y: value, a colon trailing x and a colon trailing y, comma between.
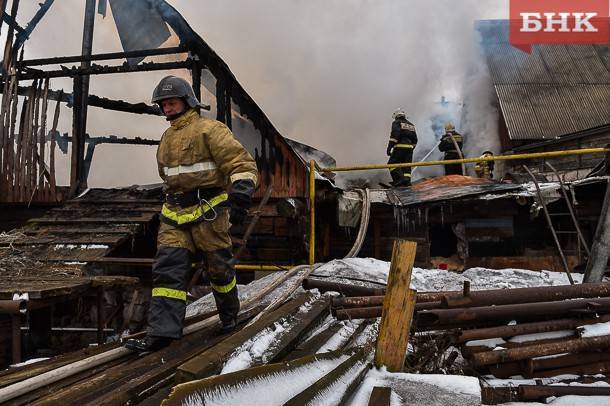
x: 102, y: 57
x: 102, y: 102
x: 527, y: 328
x: 540, y: 350
x: 30, y: 74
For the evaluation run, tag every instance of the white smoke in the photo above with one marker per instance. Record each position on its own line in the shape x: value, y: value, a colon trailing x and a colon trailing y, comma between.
x: 327, y: 73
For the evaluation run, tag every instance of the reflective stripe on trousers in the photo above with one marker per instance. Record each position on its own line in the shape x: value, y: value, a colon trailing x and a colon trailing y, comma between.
x: 224, y: 288
x: 410, y: 146
x: 170, y: 293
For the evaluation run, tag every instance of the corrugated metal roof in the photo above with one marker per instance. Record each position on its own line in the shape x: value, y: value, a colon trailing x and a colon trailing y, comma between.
x: 554, y: 91
x: 449, y: 187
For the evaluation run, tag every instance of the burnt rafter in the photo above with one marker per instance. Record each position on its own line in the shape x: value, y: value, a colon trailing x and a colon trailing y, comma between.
x: 30, y: 73
x: 101, y: 102
x: 29, y: 28
x: 103, y: 56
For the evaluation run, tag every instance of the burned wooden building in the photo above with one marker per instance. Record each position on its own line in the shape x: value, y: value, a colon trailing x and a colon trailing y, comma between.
x: 65, y: 246
x: 556, y: 97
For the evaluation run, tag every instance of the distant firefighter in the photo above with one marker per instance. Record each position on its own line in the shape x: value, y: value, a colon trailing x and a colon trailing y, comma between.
x: 451, y: 144
x: 403, y: 140
x: 485, y: 169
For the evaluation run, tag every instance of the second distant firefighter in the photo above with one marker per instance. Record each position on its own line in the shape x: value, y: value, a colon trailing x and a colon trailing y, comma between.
x: 451, y: 144
x: 403, y: 140
x: 485, y: 169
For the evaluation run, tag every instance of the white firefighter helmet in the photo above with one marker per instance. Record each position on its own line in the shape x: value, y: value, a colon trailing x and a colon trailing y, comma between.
x: 399, y: 113
x: 449, y: 127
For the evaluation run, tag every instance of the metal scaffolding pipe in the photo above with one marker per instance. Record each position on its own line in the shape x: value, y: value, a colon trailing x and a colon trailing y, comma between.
x: 540, y: 350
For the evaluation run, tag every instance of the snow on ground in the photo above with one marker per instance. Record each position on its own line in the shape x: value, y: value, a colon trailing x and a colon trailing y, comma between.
x: 269, y: 390
x: 28, y: 362
x: 342, y: 336
x: 357, y: 270
x: 567, y: 401
x: 257, y: 349
x: 595, y: 330
x: 421, y: 390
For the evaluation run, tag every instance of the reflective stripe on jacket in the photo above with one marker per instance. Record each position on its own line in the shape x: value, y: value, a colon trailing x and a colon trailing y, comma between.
x: 196, y: 152
x: 178, y: 216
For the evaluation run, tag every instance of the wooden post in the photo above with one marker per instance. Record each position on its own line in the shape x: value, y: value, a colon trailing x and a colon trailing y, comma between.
x: 398, y: 307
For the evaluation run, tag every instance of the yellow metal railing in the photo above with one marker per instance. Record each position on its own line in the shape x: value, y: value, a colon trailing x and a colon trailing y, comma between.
x: 312, y: 176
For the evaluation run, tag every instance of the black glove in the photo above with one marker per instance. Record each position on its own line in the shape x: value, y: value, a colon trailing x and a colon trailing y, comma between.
x: 389, y: 150
x: 240, y: 199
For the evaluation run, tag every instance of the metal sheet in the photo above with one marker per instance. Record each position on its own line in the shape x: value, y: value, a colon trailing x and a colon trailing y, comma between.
x: 449, y: 187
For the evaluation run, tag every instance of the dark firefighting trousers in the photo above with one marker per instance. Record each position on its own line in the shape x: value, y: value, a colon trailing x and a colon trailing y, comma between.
x: 172, y: 272
x: 401, y: 176
x: 453, y: 169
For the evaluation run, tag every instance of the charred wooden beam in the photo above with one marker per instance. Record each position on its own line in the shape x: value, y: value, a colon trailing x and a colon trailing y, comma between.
x: 96, y: 101
x: 103, y: 56
x: 24, y: 35
x: 94, y: 69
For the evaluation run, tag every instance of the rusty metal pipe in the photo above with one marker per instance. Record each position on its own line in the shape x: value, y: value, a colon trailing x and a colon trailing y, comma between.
x: 343, y: 288
x: 453, y: 299
x: 574, y: 364
x: 526, y: 328
x: 522, y: 311
x: 540, y: 350
x: 527, y: 295
x: 13, y: 306
x: 357, y: 301
x: 536, y: 392
x: 593, y: 368
x: 359, y: 313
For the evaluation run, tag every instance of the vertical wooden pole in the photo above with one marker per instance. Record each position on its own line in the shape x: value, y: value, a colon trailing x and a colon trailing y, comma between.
x: 312, y: 212
x: 398, y: 307
x: 377, y: 240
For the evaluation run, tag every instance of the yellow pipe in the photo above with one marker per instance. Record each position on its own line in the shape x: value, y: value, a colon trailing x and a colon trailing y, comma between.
x: 549, y: 154
x: 246, y: 267
x: 312, y: 212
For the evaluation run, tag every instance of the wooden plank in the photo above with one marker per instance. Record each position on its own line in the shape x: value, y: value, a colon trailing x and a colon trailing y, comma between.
x: 398, y: 307
x: 209, y: 362
x: 380, y: 396
x: 41, y: 289
x: 116, y: 220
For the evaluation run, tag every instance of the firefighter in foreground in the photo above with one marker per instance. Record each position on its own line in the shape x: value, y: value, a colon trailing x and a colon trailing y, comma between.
x: 403, y: 140
x: 198, y: 160
x: 485, y: 169
x: 451, y: 144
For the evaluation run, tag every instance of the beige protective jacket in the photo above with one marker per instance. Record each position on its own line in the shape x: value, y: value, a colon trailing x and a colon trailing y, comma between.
x: 196, y: 152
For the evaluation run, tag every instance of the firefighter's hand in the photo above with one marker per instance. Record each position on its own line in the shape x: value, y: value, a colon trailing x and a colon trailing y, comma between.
x: 240, y: 200
x: 389, y: 151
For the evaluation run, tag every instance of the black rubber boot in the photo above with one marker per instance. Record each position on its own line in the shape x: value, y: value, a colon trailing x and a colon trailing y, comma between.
x: 147, y: 344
